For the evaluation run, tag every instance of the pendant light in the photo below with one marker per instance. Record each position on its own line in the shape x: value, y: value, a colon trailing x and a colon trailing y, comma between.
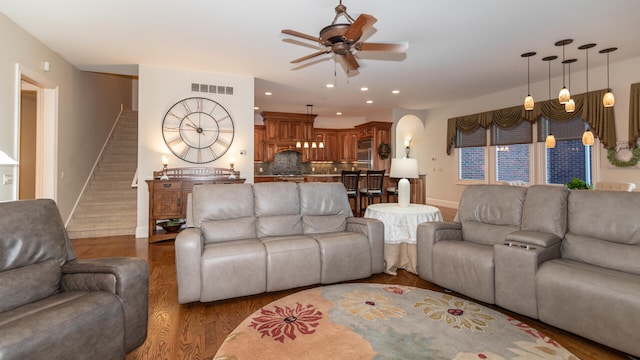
x: 564, y: 96
x: 608, y: 100
x: 587, y: 137
x: 528, y: 100
x: 570, y: 106
x: 550, y: 141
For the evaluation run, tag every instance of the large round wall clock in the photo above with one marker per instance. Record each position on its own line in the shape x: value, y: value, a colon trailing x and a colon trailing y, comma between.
x: 197, y: 130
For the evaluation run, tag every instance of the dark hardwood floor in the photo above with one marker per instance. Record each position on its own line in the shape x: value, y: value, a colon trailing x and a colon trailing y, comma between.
x: 196, y: 331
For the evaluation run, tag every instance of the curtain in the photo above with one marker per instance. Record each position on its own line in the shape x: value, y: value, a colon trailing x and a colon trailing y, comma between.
x: 634, y: 114
x: 589, y: 106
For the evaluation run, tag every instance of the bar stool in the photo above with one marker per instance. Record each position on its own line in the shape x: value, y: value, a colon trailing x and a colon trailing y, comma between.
x: 374, y: 183
x: 350, y: 180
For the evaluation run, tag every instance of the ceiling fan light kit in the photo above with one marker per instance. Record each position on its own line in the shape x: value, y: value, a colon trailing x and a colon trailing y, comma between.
x: 342, y: 39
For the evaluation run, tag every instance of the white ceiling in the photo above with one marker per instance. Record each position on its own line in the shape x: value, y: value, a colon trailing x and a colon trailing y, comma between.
x: 457, y: 49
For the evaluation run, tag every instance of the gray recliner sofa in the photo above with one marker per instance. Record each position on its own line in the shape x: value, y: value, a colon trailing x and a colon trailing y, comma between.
x: 568, y: 258
x: 53, y: 306
x: 249, y: 239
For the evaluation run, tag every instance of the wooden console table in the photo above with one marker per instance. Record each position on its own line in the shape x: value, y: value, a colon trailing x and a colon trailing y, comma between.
x: 168, y: 198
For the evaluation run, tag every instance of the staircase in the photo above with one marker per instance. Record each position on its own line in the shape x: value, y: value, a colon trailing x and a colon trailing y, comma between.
x: 108, y: 206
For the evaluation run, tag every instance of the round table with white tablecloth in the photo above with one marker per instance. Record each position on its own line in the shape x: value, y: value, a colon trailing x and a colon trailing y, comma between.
x: 400, y: 227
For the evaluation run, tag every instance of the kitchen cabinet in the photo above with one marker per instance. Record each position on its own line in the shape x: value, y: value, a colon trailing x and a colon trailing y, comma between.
x: 379, y: 132
x: 291, y: 127
x: 348, y: 144
x: 259, y: 135
x: 168, y: 198
x: 330, y: 149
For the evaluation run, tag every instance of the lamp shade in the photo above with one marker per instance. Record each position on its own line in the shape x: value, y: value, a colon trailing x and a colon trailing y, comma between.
x: 6, y: 159
x: 404, y: 168
x: 564, y: 96
x: 550, y: 141
x: 570, y: 106
x: 587, y: 138
x: 608, y: 100
x: 529, y: 103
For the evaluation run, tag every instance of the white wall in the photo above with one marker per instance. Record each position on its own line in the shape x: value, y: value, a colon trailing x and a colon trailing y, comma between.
x: 441, y: 185
x: 86, y: 107
x: 159, y: 89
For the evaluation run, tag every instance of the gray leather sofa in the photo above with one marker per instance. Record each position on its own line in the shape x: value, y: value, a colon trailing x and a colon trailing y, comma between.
x: 53, y: 306
x: 249, y: 239
x: 568, y: 258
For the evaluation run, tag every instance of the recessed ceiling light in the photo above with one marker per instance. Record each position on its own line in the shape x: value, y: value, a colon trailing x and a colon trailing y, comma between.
x: 268, y: 93
x: 364, y: 88
x: 329, y: 85
x: 338, y: 113
x: 369, y: 101
x: 395, y: 92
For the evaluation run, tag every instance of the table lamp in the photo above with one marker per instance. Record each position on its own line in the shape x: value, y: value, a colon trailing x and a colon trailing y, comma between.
x: 165, y: 163
x: 406, y: 168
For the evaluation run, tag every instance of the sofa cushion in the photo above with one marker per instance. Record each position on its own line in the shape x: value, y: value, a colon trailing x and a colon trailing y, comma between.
x: 43, y: 238
x: 324, y: 207
x: 545, y: 209
x: 68, y: 325
x: 344, y: 256
x: 224, y: 212
x: 605, y: 215
x: 489, y: 212
x: 221, y: 202
x: 277, y: 209
x: 292, y: 261
x: 29, y: 284
x: 601, y: 253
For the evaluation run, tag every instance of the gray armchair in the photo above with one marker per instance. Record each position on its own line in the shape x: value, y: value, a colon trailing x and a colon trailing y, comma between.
x: 53, y: 306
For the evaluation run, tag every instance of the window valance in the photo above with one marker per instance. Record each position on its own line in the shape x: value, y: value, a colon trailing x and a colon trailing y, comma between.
x: 589, y: 106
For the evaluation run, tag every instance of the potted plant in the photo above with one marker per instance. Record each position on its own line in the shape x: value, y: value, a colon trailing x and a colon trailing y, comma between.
x: 578, y: 184
x: 171, y: 225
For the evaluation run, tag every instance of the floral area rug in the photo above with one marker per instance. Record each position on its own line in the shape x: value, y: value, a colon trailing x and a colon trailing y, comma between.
x: 376, y: 321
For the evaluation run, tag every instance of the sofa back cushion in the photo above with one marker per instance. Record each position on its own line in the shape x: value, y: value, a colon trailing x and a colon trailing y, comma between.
x: 604, y: 229
x: 224, y: 211
x: 32, y: 232
x: 324, y: 207
x: 545, y: 209
x: 28, y: 284
x: 488, y: 213
x: 277, y: 209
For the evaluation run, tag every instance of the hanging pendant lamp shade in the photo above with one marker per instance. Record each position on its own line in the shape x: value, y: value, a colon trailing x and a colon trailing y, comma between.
x: 550, y: 141
x: 564, y: 96
x: 569, y: 105
x: 528, y: 100
x: 608, y: 100
x: 587, y: 138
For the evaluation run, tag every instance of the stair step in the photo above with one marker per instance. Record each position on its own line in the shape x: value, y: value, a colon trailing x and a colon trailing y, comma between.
x: 108, y: 206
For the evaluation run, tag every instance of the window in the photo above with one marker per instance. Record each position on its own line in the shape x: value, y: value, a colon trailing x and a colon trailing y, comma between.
x: 512, y: 152
x: 471, y: 154
x: 569, y: 158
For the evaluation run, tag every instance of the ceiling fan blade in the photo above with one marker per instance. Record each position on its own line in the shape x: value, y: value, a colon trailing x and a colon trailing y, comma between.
x: 311, y: 56
x: 381, y: 47
x: 351, y: 61
x: 362, y: 23
x: 301, y: 35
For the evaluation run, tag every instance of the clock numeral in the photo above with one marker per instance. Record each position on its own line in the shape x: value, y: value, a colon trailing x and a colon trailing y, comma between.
x: 171, y: 128
x: 185, y: 152
x: 174, y: 115
x: 187, y: 109
x: 175, y: 141
x: 213, y: 152
x: 199, y: 104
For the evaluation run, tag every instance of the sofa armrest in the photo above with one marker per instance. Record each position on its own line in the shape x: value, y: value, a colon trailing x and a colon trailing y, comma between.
x: 525, y: 238
x: 427, y: 235
x: 373, y: 229
x: 126, y: 277
x: 189, y: 246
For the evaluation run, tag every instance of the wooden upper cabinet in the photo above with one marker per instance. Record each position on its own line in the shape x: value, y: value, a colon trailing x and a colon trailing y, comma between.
x: 259, y: 146
x: 348, y: 144
x: 281, y: 126
x: 380, y: 132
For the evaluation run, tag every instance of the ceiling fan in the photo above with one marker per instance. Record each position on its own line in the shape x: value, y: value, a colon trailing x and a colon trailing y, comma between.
x: 342, y: 39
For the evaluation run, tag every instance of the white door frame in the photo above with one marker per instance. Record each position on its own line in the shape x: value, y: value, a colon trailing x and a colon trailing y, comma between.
x: 46, y: 133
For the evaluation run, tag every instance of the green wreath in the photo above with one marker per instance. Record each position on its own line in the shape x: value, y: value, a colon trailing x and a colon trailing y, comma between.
x: 633, y: 161
x: 384, y: 151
